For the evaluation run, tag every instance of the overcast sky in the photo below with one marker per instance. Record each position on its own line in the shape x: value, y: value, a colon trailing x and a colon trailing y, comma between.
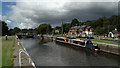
x: 28, y: 14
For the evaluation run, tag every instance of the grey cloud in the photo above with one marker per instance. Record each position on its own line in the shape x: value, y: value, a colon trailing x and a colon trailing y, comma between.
x: 94, y: 10
x: 83, y: 11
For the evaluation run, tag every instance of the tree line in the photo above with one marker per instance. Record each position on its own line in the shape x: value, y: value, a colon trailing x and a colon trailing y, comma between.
x: 41, y: 29
x: 101, y: 26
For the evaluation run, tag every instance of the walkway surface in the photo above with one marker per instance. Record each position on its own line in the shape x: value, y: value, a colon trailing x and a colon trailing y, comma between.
x: 21, y: 56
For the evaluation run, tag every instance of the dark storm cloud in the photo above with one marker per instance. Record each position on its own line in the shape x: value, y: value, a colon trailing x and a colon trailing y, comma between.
x: 53, y: 14
x: 119, y: 8
x: 93, y: 11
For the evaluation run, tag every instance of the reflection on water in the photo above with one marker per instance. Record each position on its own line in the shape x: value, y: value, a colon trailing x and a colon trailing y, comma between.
x: 48, y: 53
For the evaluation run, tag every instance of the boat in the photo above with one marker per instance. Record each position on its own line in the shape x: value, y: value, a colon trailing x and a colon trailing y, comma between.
x: 38, y: 37
x: 77, y: 42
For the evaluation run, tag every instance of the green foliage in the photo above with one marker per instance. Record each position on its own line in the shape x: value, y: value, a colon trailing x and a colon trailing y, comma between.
x: 24, y: 30
x: 4, y: 28
x: 0, y: 28
x: 104, y: 24
x: 66, y: 27
x: 11, y: 32
x: 75, y: 22
x: 16, y: 30
x: 57, y: 27
x: 44, y: 29
x: 101, y: 26
x: 31, y: 30
x: 7, y: 50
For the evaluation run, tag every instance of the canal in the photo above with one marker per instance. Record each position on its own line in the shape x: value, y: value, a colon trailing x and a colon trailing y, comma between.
x: 48, y: 53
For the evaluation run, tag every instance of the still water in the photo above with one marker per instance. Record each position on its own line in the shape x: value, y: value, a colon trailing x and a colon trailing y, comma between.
x: 49, y: 53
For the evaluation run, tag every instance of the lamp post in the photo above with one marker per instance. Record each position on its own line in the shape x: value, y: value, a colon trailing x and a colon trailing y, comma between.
x: 62, y: 28
x: 77, y: 29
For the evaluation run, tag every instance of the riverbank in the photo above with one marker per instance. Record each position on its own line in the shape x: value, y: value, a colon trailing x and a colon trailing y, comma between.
x: 109, y: 48
x: 0, y: 51
x: 105, y: 46
x: 22, y: 57
x: 7, y: 50
x: 10, y: 51
x: 95, y: 40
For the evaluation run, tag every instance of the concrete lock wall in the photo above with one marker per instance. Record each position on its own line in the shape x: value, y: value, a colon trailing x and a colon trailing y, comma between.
x: 114, y: 49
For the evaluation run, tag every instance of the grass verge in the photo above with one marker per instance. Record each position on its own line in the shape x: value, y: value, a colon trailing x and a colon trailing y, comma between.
x: 102, y: 41
x: 0, y: 51
x: 7, y: 50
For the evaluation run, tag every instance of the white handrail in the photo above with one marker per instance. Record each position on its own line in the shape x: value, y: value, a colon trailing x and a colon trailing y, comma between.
x: 30, y: 61
x: 24, y: 51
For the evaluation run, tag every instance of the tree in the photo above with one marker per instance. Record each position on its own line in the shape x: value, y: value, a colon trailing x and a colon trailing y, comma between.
x: 24, y: 30
x: 75, y: 22
x: 4, y: 27
x: 57, y: 27
x: 15, y: 30
x: 104, y: 24
x: 0, y: 28
x: 11, y: 32
x: 44, y: 29
x: 66, y: 27
x: 31, y: 30
x: 48, y: 29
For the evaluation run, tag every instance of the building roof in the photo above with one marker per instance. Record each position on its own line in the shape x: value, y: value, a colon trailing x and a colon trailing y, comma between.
x: 88, y: 27
x: 81, y: 27
x: 76, y: 27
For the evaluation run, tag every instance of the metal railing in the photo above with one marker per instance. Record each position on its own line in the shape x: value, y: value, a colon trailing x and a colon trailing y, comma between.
x: 23, y: 50
x: 30, y: 61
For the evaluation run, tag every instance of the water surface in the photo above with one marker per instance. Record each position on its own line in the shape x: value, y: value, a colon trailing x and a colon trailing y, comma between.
x: 49, y: 53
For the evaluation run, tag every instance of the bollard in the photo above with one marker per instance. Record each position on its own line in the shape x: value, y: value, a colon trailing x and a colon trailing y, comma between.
x: 6, y: 37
